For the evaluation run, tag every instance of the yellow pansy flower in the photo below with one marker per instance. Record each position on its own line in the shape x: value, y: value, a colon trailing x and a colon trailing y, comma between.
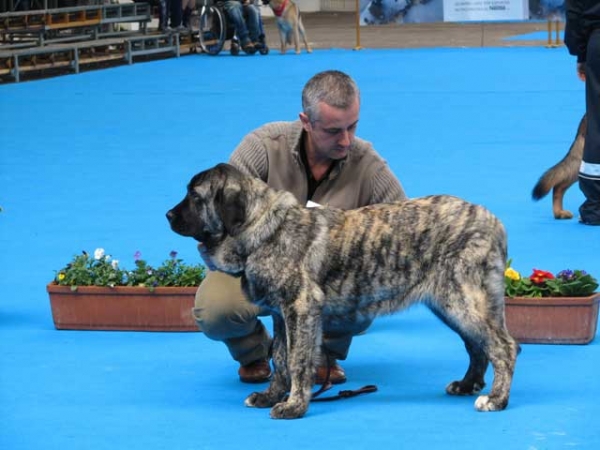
x: 512, y: 274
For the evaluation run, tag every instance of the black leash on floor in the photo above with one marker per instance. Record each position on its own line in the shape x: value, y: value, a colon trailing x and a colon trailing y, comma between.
x: 341, y: 394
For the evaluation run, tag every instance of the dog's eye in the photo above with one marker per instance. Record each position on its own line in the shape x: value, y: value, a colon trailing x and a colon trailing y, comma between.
x: 196, y: 198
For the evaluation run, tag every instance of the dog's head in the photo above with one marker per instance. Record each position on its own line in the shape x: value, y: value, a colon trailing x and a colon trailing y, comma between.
x: 230, y: 213
x: 214, y: 206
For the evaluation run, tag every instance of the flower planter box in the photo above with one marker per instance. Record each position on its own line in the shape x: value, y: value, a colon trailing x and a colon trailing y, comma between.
x: 552, y: 320
x: 122, y: 308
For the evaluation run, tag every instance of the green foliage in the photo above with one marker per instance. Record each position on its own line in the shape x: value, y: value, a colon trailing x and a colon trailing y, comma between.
x: 576, y: 283
x: 102, y: 270
x: 566, y: 283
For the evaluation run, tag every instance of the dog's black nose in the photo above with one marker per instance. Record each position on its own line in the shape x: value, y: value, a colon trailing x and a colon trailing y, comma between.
x: 170, y: 215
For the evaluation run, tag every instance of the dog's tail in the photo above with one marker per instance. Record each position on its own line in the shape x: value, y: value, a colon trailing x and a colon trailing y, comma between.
x: 564, y: 172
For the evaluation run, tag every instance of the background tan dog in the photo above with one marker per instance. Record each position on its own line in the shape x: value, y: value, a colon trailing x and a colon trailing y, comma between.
x: 289, y: 24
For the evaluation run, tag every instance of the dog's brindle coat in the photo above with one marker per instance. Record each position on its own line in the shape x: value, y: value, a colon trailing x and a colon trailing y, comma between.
x: 318, y: 269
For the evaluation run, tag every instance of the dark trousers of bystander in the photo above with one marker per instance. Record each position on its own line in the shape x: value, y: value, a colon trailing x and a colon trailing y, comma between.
x: 589, y: 173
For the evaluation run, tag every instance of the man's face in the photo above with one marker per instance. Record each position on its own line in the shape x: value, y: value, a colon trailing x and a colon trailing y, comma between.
x: 332, y: 134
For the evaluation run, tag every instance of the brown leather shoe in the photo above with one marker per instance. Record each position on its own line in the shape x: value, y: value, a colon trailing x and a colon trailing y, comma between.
x: 336, y: 374
x: 255, y: 372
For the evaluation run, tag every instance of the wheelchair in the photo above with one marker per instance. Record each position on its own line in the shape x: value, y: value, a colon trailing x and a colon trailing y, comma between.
x: 210, y: 25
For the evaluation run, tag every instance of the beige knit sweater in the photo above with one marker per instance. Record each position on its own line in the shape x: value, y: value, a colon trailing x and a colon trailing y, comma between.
x: 272, y: 153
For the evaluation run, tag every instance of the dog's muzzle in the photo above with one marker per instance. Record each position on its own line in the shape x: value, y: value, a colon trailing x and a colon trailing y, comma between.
x: 176, y: 223
x: 170, y: 216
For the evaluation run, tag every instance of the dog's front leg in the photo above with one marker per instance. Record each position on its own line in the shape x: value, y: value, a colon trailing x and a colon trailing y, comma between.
x: 279, y: 384
x: 283, y: 38
x: 303, y: 340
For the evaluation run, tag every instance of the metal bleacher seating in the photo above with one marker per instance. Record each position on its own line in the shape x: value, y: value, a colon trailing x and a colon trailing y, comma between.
x: 67, y: 37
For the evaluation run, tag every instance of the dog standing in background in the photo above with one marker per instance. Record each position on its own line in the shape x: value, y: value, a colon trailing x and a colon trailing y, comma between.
x: 323, y: 269
x: 563, y: 175
x: 289, y: 24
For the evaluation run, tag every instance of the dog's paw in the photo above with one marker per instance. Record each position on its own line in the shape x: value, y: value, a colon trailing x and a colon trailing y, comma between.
x: 259, y: 400
x: 462, y: 388
x: 488, y: 403
x: 563, y: 214
x: 288, y: 410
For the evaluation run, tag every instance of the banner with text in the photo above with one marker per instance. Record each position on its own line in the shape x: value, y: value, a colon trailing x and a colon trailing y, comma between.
x: 379, y: 12
x: 468, y: 10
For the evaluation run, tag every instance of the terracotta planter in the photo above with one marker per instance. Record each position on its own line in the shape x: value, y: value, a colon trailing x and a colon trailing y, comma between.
x: 122, y: 308
x: 554, y: 320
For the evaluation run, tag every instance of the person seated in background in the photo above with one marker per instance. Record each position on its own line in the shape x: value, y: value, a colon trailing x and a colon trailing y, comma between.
x: 247, y: 23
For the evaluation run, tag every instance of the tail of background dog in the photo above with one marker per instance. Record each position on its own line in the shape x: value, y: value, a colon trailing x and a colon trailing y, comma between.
x: 564, y: 173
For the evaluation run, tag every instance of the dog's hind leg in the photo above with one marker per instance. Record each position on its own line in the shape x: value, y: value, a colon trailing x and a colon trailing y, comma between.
x: 303, y: 34
x: 473, y: 381
x: 558, y: 194
x: 486, y: 338
x: 283, y: 37
x: 563, y: 175
x: 502, y: 350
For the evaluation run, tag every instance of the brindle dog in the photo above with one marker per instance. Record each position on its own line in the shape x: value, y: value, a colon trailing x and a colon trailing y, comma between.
x: 321, y: 268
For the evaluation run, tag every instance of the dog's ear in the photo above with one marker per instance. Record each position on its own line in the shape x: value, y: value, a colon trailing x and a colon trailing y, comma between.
x: 231, y: 207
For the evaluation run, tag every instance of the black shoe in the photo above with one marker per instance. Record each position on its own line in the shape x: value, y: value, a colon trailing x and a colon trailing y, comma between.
x: 587, y: 222
x: 336, y: 373
x: 248, y: 47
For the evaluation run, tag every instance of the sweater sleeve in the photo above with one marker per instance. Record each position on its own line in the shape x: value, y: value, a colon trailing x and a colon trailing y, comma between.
x: 575, y: 34
x: 250, y: 156
x: 385, y: 187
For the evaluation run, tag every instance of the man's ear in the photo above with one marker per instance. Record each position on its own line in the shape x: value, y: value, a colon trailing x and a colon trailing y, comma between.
x: 231, y: 207
x: 305, y: 122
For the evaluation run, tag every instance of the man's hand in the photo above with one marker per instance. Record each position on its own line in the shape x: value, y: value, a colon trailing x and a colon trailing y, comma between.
x: 581, y: 71
x: 205, y: 257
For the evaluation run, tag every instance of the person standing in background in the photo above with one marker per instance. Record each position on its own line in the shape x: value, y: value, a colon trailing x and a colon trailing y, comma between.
x: 582, y: 38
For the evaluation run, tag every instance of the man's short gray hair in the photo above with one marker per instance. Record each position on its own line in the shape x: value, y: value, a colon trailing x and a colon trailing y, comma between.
x: 331, y: 87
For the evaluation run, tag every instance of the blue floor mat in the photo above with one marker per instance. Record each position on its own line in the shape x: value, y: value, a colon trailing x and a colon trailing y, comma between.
x: 96, y: 159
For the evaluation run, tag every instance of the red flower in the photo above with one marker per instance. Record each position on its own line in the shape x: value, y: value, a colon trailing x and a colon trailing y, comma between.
x: 540, y: 276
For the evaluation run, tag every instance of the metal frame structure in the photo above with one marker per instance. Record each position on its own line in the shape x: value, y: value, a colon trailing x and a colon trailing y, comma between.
x: 69, y: 38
